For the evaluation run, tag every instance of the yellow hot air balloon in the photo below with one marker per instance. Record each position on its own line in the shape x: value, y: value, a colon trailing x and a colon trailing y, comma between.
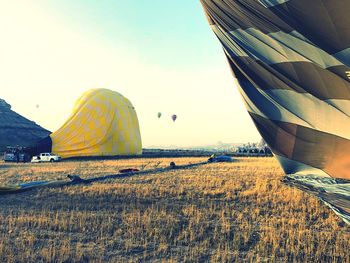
x: 103, y: 123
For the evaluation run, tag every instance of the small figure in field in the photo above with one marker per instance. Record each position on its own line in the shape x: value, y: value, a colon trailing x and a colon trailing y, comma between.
x: 17, y: 155
x: 172, y: 165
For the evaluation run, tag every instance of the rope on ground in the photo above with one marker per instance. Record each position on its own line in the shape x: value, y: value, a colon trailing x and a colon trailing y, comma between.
x: 76, y: 180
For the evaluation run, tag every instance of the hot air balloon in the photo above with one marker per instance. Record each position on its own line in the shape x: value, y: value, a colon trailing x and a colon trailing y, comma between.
x: 159, y: 115
x: 291, y: 60
x: 103, y: 123
x: 173, y: 117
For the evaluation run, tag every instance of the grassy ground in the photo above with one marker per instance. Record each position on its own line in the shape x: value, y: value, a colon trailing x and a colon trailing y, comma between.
x: 215, y: 212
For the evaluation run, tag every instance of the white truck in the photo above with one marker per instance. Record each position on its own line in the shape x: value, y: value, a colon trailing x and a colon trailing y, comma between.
x: 46, y: 157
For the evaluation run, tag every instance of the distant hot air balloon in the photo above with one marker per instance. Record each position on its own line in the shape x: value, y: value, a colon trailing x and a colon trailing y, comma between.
x: 293, y: 70
x: 173, y: 117
x: 159, y: 115
x: 37, y: 106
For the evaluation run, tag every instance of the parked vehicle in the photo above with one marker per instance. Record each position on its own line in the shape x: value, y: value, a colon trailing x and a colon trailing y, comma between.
x: 46, y: 157
x: 220, y: 159
x: 10, y: 157
x: 16, y: 154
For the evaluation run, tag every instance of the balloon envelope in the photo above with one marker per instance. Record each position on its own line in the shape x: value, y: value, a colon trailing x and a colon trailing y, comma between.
x: 159, y: 115
x: 293, y: 68
x: 103, y: 123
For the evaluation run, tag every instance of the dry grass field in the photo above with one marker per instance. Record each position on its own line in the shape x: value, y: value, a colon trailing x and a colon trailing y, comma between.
x: 215, y: 212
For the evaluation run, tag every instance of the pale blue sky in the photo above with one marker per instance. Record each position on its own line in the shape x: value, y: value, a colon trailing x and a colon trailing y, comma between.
x: 160, y: 54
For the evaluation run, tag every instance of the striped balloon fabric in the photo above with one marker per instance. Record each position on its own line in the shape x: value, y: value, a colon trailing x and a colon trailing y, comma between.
x: 292, y: 62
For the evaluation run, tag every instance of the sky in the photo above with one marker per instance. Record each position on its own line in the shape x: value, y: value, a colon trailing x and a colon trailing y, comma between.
x: 161, y: 55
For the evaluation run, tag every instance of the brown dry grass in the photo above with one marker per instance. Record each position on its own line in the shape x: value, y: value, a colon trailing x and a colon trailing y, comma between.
x: 215, y: 212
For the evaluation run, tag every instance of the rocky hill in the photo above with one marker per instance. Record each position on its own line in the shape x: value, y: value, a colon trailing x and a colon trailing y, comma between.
x: 16, y: 129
